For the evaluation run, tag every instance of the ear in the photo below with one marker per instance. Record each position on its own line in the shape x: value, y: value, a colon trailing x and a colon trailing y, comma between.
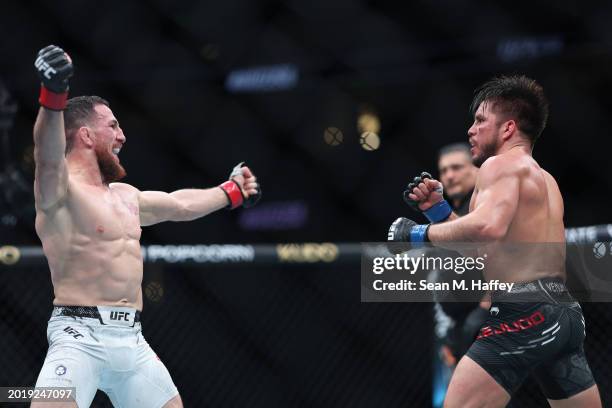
x: 86, y: 136
x: 508, y: 129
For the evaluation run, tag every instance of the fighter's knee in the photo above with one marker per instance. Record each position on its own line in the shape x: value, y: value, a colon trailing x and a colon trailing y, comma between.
x: 472, y: 403
x: 53, y: 405
x: 174, y: 403
x: 588, y: 398
x: 456, y: 399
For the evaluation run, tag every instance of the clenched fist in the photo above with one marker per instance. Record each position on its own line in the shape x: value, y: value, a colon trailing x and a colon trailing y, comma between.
x: 54, y: 68
x: 242, y: 187
x: 424, y: 194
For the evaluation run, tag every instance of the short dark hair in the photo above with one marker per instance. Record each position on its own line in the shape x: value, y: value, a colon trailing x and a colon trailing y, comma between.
x: 78, y: 111
x: 455, y: 147
x: 517, y: 96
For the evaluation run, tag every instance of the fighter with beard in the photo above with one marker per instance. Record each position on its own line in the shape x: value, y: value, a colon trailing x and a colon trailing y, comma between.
x: 90, y: 226
x: 516, y: 210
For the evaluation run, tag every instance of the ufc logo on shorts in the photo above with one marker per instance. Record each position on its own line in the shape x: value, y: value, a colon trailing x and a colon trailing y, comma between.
x: 120, y: 316
x: 42, y: 66
x: 73, y: 332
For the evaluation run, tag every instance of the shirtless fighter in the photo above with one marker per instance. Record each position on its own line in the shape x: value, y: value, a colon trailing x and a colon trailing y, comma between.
x: 90, y: 228
x: 537, y: 328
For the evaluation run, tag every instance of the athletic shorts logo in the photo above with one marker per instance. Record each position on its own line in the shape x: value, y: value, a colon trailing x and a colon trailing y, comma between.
x: 518, y: 325
x: 60, y: 370
x: 72, y: 332
x: 120, y: 316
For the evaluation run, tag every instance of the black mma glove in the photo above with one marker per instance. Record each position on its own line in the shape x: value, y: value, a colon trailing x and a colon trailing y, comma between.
x: 54, y: 68
x: 437, y: 212
x: 405, y: 230
x: 233, y: 190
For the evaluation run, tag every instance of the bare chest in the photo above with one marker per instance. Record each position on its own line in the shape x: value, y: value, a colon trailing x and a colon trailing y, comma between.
x: 106, y: 215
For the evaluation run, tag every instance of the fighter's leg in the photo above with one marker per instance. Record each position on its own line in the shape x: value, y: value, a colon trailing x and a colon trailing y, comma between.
x: 148, y: 385
x: 53, y: 405
x: 472, y: 387
x: 74, y: 359
x: 588, y: 398
x: 567, y: 381
x: 120, y: 400
x: 68, y: 367
x: 175, y: 402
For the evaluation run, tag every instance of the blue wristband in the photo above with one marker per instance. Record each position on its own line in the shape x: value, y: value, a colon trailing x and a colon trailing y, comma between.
x: 439, y: 212
x: 418, y: 233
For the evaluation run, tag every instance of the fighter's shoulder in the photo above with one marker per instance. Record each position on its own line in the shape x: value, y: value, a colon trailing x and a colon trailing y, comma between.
x: 502, y: 166
x: 550, y: 180
x: 548, y: 176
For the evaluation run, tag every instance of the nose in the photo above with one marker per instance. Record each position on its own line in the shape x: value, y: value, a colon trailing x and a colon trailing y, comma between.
x: 471, y: 131
x: 121, y: 137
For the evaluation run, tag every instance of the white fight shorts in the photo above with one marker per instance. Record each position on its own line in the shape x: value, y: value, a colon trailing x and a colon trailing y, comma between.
x: 102, y: 347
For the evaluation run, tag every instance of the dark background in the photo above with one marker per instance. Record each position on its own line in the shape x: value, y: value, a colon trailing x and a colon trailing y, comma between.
x: 163, y: 65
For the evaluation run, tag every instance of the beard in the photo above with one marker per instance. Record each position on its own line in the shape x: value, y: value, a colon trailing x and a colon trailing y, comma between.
x: 486, y: 151
x: 110, y: 169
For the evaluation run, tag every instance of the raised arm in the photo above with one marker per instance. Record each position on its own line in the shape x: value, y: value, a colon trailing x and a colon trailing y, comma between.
x: 498, y: 193
x: 189, y: 204
x: 51, y: 175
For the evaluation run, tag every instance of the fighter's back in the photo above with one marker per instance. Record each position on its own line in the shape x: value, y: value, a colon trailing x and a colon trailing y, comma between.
x: 539, y: 215
x: 533, y: 244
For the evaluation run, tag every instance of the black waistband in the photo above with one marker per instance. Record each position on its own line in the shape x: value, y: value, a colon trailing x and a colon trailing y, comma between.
x: 85, y: 311
x: 546, y: 289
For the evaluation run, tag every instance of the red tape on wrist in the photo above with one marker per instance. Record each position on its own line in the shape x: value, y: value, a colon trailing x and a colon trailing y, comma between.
x: 233, y: 192
x: 52, y: 100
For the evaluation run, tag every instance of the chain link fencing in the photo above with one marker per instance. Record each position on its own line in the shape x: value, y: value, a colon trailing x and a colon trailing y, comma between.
x: 283, y: 326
